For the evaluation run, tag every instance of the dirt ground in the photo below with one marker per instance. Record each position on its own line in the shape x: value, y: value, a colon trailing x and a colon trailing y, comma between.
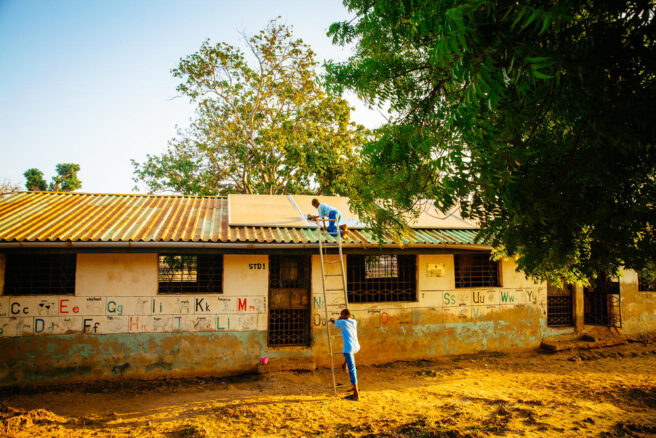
x: 603, y: 392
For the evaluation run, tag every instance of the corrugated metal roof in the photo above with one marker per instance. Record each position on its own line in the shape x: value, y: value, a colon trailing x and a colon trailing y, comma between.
x: 93, y: 217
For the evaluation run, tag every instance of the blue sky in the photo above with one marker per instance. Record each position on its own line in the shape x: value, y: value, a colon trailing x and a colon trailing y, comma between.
x: 89, y: 81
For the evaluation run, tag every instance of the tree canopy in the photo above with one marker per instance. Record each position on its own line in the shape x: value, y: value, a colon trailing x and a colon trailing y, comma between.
x: 536, y: 118
x: 66, y: 179
x: 263, y: 123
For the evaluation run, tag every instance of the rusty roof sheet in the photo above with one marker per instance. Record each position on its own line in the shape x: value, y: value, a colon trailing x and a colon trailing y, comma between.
x: 94, y: 217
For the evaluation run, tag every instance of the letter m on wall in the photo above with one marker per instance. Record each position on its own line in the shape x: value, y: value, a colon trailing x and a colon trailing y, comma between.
x: 242, y: 306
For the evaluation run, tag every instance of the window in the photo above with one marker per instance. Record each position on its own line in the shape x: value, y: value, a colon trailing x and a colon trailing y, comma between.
x: 645, y: 285
x: 381, y: 278
x: 383, y: 266
x: 476, y: 270
x: 559, y: 305
x: 45, y: 274
x: 190, y: 273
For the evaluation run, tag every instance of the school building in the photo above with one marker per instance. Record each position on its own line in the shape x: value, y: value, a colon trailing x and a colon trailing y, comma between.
x: 96, y: 286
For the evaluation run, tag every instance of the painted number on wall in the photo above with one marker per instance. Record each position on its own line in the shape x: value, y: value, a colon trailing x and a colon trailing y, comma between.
x: 257, y: 266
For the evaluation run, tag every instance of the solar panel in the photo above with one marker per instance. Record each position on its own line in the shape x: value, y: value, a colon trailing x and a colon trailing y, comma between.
x: 292, y: 210
x: 264, y: 211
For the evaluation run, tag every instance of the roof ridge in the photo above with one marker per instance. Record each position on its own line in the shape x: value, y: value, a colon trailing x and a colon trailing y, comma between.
x: 152, y: 195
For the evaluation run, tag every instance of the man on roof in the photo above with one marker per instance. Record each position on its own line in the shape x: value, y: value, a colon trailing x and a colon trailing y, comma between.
x: 332, y: 214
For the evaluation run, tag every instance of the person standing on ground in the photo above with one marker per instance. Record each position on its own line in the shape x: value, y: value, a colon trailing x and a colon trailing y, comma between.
x: 334, y: 216
x: 349, y: 328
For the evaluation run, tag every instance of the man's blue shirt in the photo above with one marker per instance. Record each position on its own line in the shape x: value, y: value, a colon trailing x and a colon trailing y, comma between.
x: 349, y: 328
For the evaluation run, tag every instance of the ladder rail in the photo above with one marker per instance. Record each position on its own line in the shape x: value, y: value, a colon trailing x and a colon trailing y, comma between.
x: 325, y: 308
x: 322, y: 229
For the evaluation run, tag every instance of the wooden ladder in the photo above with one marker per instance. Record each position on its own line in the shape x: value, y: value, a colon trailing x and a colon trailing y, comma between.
x: 337, y: 293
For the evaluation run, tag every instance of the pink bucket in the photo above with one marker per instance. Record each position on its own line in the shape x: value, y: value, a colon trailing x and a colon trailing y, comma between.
x: 264, y: 360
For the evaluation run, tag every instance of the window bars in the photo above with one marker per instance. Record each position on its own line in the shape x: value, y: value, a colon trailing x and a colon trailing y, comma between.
x: 289, y: 327
x: 190, y: 273
x: 476, y: 270
x: 40, y: 274
x: 381, y: 278
x: 560, y: 311
x: 601, y: 303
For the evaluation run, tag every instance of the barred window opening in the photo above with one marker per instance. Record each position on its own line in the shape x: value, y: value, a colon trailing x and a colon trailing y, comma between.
x: 383, y: 266
x: 476, y: 270
x: 381, y: 278
x: 40, y: 274
x: 190, y: 273
x: 560, y: 311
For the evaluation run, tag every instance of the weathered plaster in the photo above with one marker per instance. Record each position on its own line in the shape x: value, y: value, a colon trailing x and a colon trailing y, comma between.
x: 46, y: 359
x: 442, y: 321
x: 245, y: 274
x: 116, y: 275
x: 126, y: 329
x: 638, y: 308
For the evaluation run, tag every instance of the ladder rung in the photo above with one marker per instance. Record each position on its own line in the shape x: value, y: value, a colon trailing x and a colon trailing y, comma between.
x: 332, y: 275
x: 335, y: 290
x: 338, y: 261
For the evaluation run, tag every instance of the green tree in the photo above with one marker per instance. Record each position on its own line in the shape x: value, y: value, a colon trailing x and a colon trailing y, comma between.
x: 263, y: 123
x: 536, y: 118
x: 34, y: 180
x: 65, y: 181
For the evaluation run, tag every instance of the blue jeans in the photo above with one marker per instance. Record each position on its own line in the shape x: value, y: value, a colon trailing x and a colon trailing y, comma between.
x: 350, y: 364
x: 333, y: 222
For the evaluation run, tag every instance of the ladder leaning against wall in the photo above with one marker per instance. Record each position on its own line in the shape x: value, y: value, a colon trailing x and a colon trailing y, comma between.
x: 334, y: 295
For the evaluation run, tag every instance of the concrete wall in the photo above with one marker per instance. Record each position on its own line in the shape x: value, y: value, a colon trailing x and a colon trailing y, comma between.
x: 444, y: 320
x: 638, y: 307
x: 125, y: 275
x: 118, y: 325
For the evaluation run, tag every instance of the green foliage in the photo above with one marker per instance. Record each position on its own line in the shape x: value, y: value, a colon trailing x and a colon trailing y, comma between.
x: 264, y: 126
x: 34, y: 180
x: 536, y: 118
x: 65, y: 181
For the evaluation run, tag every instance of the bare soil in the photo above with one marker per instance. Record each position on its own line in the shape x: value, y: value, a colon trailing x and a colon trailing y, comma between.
x: 605, y: 392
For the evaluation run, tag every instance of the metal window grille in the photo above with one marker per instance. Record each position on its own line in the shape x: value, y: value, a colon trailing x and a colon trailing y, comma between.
x: 601, y: 303
x: 560, y: 311
x: 383, y: 266
x: 476, y: 270
x: 645, y: 285
x: 190, y: 273
x: 289, y: 305
x: 383, y: 278
x: 289, y: 327
x: 40, y: 274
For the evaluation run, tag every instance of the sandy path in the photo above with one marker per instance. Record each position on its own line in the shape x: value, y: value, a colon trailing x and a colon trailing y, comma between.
x: 608, y: 392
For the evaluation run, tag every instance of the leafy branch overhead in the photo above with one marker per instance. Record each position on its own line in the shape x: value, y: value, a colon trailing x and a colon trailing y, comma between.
x: 263, y: 123
x: 536, y: 118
